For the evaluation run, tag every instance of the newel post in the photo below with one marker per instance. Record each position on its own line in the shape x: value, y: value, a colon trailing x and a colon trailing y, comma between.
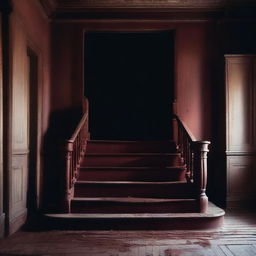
x: 67, y: 184
x: 200, y: 172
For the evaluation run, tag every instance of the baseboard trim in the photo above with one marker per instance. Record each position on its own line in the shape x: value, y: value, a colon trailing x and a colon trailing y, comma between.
x: 17, y: 222
x: 2, y: 225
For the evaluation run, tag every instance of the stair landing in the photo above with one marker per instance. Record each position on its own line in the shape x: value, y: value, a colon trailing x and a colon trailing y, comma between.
x: 212, y: 219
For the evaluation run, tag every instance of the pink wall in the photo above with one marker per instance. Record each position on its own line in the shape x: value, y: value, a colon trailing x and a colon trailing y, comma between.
x: 37, y: 29
x: 195, y: 68
x: 192, y: 66
x: 67, y: 66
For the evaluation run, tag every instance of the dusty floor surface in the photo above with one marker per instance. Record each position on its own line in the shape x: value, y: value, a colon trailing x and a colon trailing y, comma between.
x: 236, y: 238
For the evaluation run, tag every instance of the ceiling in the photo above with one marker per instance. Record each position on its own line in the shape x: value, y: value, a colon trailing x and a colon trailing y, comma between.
x: 75, y: 9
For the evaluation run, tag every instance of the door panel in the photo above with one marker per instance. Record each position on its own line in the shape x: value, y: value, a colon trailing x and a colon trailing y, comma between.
x: 18, y: 171
x: 240, y: 98
x: 240, y: 130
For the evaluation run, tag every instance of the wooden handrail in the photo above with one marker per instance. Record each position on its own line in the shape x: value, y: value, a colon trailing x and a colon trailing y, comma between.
x: 75, y: 148
x: 78, y: 128
x: 194, y: 154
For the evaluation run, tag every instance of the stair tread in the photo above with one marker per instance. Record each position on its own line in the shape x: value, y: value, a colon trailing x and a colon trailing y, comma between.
x: 132, y: 141
x: 131, y: 154
x: 212, y: 212
x: 134, y: 167
x: 131, y: 199
x: 131, y: 182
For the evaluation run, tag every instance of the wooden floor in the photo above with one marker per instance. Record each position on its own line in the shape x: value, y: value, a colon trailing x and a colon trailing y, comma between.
x: 236, y: 238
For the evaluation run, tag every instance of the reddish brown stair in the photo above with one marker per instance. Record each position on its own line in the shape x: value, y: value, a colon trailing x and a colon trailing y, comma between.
x: 130, y: 184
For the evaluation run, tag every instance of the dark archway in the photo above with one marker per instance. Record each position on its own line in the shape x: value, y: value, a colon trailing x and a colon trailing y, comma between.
x: 129, y: 83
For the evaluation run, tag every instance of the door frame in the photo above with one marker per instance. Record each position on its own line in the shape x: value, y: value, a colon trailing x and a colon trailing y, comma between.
x: 12, y: 225
x: 2, y: 214
x: 125, y: 26
x: 127, y: 29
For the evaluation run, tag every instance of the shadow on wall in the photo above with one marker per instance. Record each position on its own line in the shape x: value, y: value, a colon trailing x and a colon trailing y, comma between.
x: 61, y: 126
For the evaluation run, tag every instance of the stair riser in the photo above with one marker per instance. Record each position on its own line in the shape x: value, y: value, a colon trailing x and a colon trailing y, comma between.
x: 132, y: 175
x: 164, y: 147
x: 134, y: 190
x: 117, y: 207
x: 187, y: 223
x: 131, y: 161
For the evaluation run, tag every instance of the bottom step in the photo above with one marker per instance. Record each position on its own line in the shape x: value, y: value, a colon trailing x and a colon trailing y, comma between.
x: 132, y: 205
x: 138, y: 221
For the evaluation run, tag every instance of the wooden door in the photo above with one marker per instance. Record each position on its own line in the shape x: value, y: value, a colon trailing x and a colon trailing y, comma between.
x: 19, y: 123
x: 241, y: 129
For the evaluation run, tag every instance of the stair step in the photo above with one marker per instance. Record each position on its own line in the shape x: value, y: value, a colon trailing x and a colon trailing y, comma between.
x: 212, y: 219
x: 132, y: 173
x: 132, y: 159
x: 99, y: 146
x: 131, y: 205
x: 177, y: 189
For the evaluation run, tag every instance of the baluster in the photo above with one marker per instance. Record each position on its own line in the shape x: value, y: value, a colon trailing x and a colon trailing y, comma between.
x: 189, y: 160
x: 77, y: 152
x: 175, y: 130
x: 187, y: 154
x: 192, y: 165
x: 71, y: 169
x: 181, y: 134
x: 75, y: 158
x: 73, y: 164
x: 79, y: 145
x: 75, y: 149
x: 200, y: 172
x: 184, y: 148
x: 180, y: 144
x: 67, y: 191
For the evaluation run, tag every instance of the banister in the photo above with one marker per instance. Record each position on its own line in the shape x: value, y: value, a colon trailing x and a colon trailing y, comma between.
x: 194, y: 155
x: 78, y: 128
x: 75, y: 148
x: 185, y: 127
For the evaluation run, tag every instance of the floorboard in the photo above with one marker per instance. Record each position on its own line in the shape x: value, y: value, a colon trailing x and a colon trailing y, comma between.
x: 236, y: 238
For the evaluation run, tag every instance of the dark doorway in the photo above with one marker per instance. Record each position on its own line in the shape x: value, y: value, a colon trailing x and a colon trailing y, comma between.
x: 129, y: 84
x: 33, y: 132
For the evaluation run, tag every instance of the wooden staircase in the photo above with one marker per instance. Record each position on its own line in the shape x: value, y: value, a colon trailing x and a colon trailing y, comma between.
x: 132, y: 177
x: 135, y: 184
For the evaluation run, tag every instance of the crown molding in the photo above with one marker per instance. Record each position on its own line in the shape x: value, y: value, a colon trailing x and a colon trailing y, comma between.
x: 84, y: 4
x: 78, y: 4
x: 151, y: 9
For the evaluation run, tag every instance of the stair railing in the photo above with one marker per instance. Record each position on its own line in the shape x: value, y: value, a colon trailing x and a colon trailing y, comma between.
x: 194, y: 155
x: 74, y: 151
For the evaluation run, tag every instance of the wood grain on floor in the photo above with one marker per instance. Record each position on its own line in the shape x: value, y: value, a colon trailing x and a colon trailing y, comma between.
x: 236, y: 238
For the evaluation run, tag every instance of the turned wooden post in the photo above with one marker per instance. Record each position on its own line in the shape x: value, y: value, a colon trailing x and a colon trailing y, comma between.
x: 175, y: 130
x: 174, y: 121
x: 68, y: 177
x: 200, y: 149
